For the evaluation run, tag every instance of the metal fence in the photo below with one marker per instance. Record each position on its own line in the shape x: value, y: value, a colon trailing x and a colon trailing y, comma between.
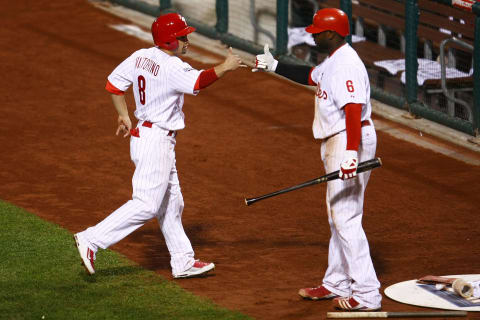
x: 455, y: 94
x: 422, y: 55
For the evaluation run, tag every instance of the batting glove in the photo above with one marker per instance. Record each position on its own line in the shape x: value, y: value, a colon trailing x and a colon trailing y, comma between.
x: 265, y: 62
x: 348, y: 168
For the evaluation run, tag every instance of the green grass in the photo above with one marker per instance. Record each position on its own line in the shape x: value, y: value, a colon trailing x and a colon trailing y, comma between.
x: 41, y: 278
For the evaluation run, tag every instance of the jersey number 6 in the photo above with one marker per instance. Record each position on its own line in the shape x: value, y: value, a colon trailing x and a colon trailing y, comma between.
x: 350, y: 87
x: 141, y: 89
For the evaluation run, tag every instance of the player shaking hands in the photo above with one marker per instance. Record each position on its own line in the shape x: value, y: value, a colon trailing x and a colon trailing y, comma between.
x: 343, y: 122
x: 159, y: 79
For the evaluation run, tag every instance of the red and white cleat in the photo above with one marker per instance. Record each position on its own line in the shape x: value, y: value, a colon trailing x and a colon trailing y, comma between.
x: 350, y: 304
x: 198, y: 269
x: 317, y: 293
x: 87, y: 255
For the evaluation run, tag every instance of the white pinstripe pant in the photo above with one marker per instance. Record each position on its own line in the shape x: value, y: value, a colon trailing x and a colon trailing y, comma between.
x: 156, y: 193
x: 350, y: 270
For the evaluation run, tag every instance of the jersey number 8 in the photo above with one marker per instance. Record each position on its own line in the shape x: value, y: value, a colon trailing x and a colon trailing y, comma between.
x: 141, y: 89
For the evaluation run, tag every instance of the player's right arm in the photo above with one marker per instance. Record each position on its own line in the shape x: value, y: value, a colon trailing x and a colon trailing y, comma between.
x: 186, y: 79
x: 207, y: 77
x: 232, y: 62
x: 297, y: 73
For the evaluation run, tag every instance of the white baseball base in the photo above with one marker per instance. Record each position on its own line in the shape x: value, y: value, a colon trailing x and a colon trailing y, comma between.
x: 426, y: 295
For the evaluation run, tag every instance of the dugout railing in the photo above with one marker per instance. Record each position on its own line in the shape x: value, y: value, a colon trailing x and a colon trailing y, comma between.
x: 248, y: 24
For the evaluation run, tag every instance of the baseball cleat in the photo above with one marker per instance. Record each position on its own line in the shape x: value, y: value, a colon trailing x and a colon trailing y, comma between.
x: 350, y: 304
x: 317, y: 293
x: 198, y: 269
x: 87, y: 255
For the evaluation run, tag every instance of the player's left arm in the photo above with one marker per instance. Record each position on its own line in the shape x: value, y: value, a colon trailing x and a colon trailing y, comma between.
x: 120, y: 104
x: 353, y: 127
x: 350, y: 92
x: 117, y: 83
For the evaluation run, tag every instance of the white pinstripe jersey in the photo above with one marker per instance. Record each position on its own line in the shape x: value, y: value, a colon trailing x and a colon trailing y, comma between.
x: 341, y: 79
x: 159, y: 83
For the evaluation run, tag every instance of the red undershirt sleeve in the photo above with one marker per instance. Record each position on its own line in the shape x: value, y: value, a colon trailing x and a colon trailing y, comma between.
x: 206, y: 78
x: 353, y: 115
x: 112, y: 89
x: 310, y: 81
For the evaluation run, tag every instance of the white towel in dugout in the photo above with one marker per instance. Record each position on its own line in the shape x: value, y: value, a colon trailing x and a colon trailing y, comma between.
x: 427, y: 69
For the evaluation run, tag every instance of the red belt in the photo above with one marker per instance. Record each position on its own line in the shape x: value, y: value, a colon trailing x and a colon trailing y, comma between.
x: 364, y: 123
x: 148, y: 124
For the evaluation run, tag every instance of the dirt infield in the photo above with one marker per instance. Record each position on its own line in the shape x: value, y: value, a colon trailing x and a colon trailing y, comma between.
x: 246, y: 135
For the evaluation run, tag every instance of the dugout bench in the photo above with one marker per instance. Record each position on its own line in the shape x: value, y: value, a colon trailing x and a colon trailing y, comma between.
x: 438, y: 25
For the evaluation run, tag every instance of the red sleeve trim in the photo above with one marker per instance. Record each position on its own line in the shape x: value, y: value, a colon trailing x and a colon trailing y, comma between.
x: 206, y: 78
x: 112, y: 89
x: 353, y: 115
x: 310, y: 80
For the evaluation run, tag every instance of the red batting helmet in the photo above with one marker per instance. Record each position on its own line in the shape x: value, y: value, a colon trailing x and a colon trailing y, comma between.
x: 167, y: 28
x: 330, y: 19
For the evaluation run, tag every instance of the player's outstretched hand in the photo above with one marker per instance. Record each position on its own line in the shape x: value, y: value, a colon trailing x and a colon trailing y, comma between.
x: 232, y: 61
x: 124, y: 126
x: 265, y: 61
x: 348, y: 167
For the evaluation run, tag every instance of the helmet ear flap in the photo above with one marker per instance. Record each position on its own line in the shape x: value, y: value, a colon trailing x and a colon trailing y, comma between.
x: 171, y: 45
x: 162, y: 39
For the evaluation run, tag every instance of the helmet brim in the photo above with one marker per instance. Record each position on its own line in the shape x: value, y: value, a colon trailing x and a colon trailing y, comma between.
x: 185, y: 31
x: 313, y: 29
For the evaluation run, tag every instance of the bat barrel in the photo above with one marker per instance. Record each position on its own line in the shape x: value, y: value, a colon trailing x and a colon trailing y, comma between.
x: 249, y: 201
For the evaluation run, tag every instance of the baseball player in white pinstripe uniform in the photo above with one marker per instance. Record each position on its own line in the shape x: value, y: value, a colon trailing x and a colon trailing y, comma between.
x: 160, y: 80
x: 342, y: 121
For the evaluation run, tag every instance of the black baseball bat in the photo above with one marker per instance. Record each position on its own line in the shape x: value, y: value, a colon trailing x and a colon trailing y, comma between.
x: 362, y: 167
